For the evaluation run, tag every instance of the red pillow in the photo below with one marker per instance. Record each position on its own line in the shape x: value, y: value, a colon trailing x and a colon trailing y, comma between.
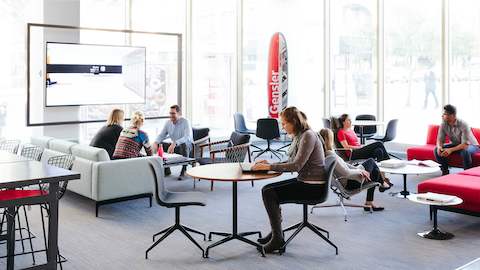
x: 432, y: 134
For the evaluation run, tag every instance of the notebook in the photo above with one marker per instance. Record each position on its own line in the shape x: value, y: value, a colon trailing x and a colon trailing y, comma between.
x: 435, y: 197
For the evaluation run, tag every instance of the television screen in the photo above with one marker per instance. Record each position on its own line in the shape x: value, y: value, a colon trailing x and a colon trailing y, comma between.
x: 84, y: 74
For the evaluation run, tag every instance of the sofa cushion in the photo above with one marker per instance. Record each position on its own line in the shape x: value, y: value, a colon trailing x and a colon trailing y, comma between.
x: 473, y: 172
x: 476, y: 133
x: 41, y: 141
x: 84, y: 186
x: 90, y: 152
x: 423, y: 152
x: 466, y: 187
x: 432, y: 134
x: 61, y: 146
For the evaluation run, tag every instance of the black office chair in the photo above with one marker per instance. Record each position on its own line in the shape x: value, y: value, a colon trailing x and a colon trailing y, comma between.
x: 176, y: 200
x: 200, y: 136
x: 267, y: 129
x: 368, y: 131
x: 241, y: 127
x: 326, y: 123
x: 330, y: 163
x: 390, y: 132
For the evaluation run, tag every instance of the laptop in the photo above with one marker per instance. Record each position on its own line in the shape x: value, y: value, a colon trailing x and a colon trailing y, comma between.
x: 247, y: 167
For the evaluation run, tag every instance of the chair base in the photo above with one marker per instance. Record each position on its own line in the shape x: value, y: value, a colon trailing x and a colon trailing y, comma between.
x: 268, y: 149
x: 177, y: 226
x: 342, y: 204
x: 306, y: 224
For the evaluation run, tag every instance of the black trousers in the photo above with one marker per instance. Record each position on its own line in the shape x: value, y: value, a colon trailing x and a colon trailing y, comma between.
x: 374, y: 150
x: 181, y: 149
x: 292, y: 190
x: 371, y: 167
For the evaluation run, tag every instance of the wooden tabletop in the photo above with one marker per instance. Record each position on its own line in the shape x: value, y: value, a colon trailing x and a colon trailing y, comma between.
x: 228, y: 172
x: 18, y: 174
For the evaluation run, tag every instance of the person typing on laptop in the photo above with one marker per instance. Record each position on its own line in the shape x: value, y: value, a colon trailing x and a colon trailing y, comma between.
x: 307, y: 157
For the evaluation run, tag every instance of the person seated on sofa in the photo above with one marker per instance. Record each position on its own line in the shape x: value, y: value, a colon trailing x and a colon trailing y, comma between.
x: 132, y: 139
x: 353, y: 177
x: 107, y: 136
x: 461, y: 139
x: 179, y: 131
x: 349, y: 140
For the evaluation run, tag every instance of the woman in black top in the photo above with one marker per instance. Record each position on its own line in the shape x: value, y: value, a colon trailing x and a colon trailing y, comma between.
x: 107, y: 136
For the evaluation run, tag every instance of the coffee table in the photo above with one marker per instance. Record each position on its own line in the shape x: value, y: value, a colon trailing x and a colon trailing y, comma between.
x: 230, y: 172
x: 409, y: 169
x: 435, y: 233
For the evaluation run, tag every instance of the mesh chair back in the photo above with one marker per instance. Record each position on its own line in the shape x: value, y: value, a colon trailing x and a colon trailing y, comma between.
x: 239, y: 122
x: 32, y: 152
x: 64, y: 162
x: 160, y: 192
x: 236, y: 153
x: 391, y: 131
x: 238, y: 139
x: 267, y: 128
x: 367, y: 130
x: 10, y: 146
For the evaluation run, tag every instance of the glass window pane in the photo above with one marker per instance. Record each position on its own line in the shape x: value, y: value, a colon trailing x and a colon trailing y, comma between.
x: 353, y: 57
x: 301, y: 22
x: 465, y: 60
x: 413, y: 66
x: 214, y: 64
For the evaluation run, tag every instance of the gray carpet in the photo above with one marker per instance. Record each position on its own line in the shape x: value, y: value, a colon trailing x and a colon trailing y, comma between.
x: 382, y: 240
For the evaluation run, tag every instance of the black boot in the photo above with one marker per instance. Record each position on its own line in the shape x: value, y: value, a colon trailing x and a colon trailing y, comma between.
x: 268, y: 237
x: 274, y: 214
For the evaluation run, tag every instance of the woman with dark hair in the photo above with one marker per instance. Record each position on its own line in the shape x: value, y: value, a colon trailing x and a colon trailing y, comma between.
x: 349, y: 140
x: 107, y: 136
x: 306, y: 156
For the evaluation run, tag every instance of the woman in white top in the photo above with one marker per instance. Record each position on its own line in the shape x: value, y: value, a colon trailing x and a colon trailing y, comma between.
x: 353, y: 177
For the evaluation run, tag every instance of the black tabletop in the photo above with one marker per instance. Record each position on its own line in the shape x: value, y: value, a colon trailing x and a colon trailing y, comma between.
x: 18, y: 174
x: 6, y: 157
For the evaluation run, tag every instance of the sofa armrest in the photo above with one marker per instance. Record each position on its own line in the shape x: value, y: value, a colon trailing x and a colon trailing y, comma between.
x: 121, y: 178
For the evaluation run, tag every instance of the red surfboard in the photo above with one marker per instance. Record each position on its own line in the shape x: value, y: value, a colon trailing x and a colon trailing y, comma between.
x: 277, y: 75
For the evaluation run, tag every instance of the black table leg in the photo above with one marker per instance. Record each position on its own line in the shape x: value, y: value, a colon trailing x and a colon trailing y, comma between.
x: 404, y: 192
x: 52, y: 226
x: 234, y: 234
x: 11, y: 237
x: 436, y: 234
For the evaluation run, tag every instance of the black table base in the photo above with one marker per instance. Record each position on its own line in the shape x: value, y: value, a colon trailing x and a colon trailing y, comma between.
x: 234, y: 235
x: 435, y: 233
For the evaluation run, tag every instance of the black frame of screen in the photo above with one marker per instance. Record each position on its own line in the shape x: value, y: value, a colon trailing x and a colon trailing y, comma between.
x: 179, y: 70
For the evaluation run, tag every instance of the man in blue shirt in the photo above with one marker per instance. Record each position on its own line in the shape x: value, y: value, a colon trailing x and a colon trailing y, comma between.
x: 179, y: 131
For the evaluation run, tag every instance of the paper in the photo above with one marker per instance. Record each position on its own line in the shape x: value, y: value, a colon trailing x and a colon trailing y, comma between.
x: 426, y: 163
x: 435, y: 197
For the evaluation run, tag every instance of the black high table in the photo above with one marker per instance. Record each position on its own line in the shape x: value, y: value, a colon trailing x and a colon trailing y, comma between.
x: 230, y: 172
x: 20, y: 173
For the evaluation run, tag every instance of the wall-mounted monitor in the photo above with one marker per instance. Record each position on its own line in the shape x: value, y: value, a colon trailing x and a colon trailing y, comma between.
x: 87, y: 74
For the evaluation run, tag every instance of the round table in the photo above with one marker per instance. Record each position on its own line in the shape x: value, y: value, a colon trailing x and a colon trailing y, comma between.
x: 409, y: 169
x: 435, y: 233
x: 230, y: 172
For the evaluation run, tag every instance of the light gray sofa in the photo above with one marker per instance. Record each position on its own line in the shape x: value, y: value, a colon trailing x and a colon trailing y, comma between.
x: 103, y: 180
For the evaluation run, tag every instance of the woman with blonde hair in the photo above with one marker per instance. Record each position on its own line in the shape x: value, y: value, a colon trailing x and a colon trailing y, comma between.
x: 306, y: 156
x: 352, y: 177
x: 132, y: 139
x: 107, y: 136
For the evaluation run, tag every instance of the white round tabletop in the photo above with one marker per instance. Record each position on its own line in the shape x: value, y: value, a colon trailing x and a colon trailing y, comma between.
x: 414, y: 198
x: 410, y: 169
x: 229, y: 172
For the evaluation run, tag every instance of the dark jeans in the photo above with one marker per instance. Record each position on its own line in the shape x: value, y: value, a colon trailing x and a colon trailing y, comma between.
x: 374, y: 150
x: 292, y: 191
x: 465, y: 154
x: 371, y: 167
x: 181, y: 149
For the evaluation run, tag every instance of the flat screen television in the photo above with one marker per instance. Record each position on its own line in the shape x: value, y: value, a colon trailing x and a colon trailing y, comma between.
x: 88, y: 74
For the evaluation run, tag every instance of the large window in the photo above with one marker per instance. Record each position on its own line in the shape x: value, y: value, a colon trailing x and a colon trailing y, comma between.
x: 213, y: 64
x: 14, y: 15
x: 301, y: 22
x: 413, y: 66
x: 465, y: 59
x: 353, y: 57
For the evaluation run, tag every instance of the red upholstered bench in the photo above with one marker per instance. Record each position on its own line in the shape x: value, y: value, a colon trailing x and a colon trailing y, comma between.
x: 425, y: 152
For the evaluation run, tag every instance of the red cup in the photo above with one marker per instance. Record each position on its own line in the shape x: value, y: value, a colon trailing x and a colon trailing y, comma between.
x: 160, y: 151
